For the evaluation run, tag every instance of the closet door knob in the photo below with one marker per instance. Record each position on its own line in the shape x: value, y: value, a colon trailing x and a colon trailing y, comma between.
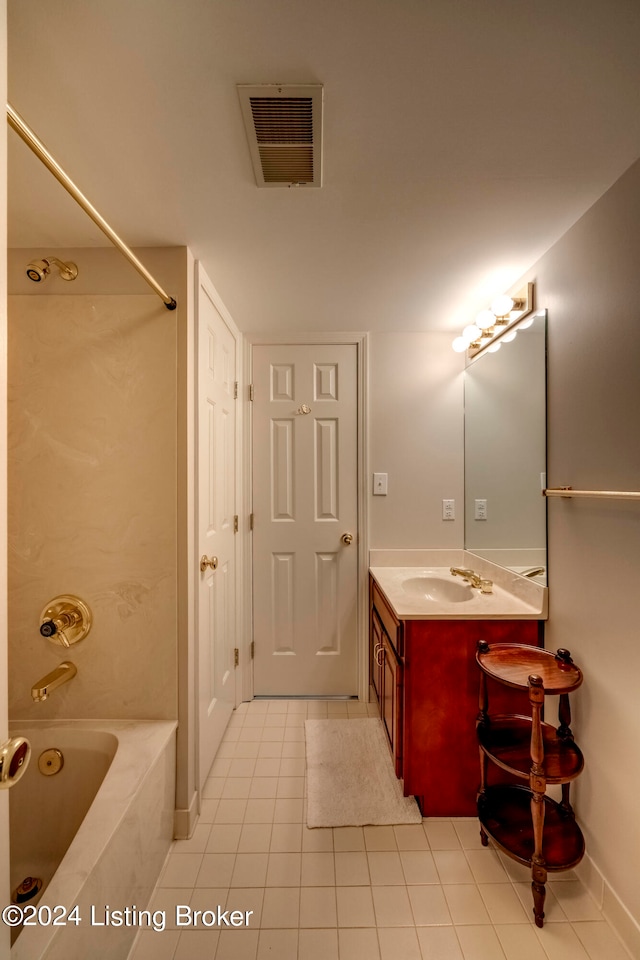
x: 347, y: 538
x: 206, y: 561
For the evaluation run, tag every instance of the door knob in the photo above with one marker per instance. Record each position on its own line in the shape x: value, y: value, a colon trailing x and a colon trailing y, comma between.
x: 206, y: 561
x: 14, y: 760
x: 347, y: 538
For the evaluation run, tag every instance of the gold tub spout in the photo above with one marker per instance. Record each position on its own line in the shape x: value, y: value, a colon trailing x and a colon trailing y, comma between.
x: 65, y: 671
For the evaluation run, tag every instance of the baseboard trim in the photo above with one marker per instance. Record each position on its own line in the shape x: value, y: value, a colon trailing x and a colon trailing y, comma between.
x: 611, y: 906
x: 185, y: 819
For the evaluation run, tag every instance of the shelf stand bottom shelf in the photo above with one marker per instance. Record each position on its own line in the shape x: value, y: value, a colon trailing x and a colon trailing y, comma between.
x: 508, y: 816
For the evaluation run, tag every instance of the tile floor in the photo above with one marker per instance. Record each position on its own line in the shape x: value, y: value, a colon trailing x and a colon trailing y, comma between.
x: 420, y: 892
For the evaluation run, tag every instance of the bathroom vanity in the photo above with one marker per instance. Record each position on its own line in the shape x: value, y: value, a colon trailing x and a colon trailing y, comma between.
x: 425, y: 676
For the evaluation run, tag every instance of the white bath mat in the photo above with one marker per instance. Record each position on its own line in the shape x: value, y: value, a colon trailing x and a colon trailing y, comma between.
x: 350, y: 777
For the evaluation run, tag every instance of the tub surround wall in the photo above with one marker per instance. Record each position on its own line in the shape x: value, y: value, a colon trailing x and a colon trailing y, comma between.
x: 588, y: 282
x: 93, y: 494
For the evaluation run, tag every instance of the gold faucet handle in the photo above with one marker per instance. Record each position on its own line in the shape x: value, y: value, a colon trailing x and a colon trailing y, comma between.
x: 65, y: 621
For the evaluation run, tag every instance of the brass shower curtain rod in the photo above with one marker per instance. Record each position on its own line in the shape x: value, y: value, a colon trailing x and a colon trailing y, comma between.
x: 37, y: 146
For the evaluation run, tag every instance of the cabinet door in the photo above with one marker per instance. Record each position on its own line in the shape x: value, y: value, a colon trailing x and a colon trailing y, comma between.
x: 376, y: 655
x: 391, y: 702
x: 441, y: 680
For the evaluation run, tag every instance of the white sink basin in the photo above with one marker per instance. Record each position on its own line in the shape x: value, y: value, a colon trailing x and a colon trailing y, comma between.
x: 438, y: 589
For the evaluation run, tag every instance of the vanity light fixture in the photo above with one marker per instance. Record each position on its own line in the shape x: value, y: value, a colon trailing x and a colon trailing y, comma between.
x: 498, y: 324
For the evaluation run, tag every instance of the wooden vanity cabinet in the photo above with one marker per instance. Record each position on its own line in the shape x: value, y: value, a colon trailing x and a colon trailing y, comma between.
x: 386, y: 675
x: 424, y: 675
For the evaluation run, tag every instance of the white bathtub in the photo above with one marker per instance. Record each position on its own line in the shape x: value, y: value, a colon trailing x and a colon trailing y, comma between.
x: 97, y: 833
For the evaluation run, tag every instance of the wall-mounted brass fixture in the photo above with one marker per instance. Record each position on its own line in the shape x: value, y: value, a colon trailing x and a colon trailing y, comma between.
x: 50, y: 762
x: 65, y: 621
x: 64, y: 672
x: 14, y: 760
x: 39, y: 270
x: 494, y: 326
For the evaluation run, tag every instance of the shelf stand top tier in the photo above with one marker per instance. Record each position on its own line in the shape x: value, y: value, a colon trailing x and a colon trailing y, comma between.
x: 513, y: 664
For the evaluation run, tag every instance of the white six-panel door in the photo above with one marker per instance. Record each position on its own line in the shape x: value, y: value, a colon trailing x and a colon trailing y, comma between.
x: 216, y: 509
x: 305, y: 519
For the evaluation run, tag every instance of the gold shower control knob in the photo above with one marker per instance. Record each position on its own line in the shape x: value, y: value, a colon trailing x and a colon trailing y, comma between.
x: 206, y: 561
x: 347, y: 538
x: 65, y: 620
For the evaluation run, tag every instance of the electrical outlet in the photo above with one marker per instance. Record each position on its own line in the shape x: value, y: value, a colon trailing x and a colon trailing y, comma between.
x: 380, y: 484
x: 448, y: 509
x: 480, y: 510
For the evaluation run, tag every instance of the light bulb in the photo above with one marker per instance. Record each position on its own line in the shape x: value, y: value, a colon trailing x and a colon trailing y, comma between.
x: 471, y: 332
x: 485, y: 319
x: 459, y: 344
x: 493, y: 348
x: 508, y: 337
x: 526, y: 323
x: 502, y: 306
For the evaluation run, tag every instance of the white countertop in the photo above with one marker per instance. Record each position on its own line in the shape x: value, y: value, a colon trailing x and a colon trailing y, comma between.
x: 512, y: 599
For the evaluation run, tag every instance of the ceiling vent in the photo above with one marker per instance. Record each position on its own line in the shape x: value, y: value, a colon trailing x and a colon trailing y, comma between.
x: 284, y: 129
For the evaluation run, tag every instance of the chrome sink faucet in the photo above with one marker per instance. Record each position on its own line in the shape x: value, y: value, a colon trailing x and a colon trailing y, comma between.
x: 63, y: 672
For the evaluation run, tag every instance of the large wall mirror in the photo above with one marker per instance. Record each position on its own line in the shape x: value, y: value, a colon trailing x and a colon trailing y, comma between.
x: 505, y: 453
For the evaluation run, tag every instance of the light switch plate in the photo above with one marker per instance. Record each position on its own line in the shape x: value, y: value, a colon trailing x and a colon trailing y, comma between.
x: 380, y: 484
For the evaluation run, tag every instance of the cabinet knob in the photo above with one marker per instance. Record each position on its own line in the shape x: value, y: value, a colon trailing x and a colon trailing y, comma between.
x: 206, y: 561
x: 347, y: 538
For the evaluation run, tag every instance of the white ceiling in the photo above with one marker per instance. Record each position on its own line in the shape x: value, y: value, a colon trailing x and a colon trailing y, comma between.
x: 461, y: 139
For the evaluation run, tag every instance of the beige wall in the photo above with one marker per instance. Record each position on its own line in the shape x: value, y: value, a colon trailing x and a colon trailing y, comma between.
x: 93, y: 484
x: 416, y: 436
x: 589, y: 283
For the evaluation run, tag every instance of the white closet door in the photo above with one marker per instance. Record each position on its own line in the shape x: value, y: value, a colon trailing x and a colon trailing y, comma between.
x: 216, y: 466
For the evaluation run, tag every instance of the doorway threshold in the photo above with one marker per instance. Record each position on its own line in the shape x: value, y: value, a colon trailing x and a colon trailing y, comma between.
x: 297, y: 696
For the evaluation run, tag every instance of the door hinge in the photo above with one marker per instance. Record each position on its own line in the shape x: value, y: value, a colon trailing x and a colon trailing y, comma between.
x: 236, y: 523
x: 250, y: 521
x: 236, y: 657
x: 251, y: 393
x: 235, y: 390
x: 253, y: 649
